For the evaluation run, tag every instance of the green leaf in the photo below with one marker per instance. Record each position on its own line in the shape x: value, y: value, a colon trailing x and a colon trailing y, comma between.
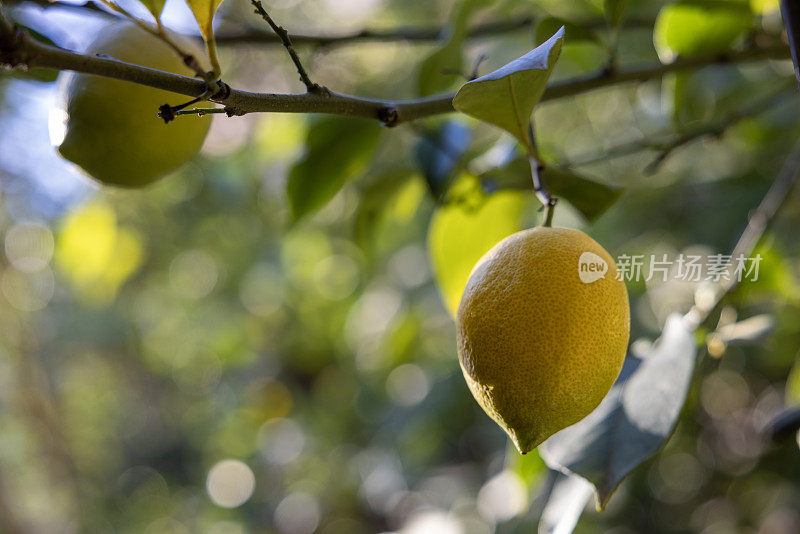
x: 576, y: 32
x: 338, y: 149
x: 460, y: 233
x: 634, y: 420
x: 155, y: 7
x: 507, y: 96
x: 613, y: 10
x: 203, y: 11
x: 589, y: 197
x: 441, y: 69
x: 699, y: 29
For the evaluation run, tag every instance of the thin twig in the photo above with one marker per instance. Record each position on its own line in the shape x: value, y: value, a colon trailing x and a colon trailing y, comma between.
x: 283, y: 35
x: 758, y: 223
x: 200, y: 111
x: 160, y: 32
x: 671, y: 141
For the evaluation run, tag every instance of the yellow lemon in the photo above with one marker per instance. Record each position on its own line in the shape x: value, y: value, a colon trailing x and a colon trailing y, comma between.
x: 110, y: 128
x: 543, y: 329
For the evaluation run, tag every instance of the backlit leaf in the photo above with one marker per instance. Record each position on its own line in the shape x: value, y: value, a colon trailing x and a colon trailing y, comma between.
x: 695, y: 29
x: 204, y: 11
x: 461, y: 233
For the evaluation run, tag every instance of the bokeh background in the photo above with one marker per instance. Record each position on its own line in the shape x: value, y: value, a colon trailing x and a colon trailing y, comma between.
x: 185, y: 358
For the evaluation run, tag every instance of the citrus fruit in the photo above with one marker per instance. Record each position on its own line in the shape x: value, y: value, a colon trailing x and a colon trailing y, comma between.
x: 110, y: 128
x: 542, y: 330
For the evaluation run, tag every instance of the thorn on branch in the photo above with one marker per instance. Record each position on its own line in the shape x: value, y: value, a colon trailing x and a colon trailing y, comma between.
x: 475, y: 69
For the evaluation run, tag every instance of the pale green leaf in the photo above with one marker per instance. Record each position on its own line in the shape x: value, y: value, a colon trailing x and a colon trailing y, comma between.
x: 528, y: 467
x: 691, y: 29
x: 204, y: 11
x: 507, y: 96
x: 461, y: 233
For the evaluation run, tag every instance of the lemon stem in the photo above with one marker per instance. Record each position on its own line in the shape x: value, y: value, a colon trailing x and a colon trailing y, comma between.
x: 548, y: 202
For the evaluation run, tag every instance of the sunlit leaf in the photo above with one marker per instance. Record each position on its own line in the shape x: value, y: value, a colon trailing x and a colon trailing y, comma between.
x: 460, y: 233
x: 439, y: 154
x: 338, y: 149
x: 204, y: 11
x: 634, y: 420
x: 507, y: 96
x: 693, y: 29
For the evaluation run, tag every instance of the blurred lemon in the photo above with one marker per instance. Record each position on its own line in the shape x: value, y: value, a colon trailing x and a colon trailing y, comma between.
x: 110, y: 128
x: 543, y: 328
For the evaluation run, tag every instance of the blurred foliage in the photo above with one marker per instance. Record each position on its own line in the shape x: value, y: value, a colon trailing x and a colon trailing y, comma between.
x: 257, y: 343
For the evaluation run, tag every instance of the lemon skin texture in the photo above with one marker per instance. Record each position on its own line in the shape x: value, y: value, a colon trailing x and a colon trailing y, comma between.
x: 538, y: 347
x: 110, y: 128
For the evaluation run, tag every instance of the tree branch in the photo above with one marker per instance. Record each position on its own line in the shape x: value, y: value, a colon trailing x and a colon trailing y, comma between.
x: 19, y: 49
x: 758, y: 223
x: 418, y: 34
x: 672, y: 141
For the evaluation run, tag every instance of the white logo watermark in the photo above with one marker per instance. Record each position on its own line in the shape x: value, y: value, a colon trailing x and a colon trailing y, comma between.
x: 685, y: 267
x: 591, y: 267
